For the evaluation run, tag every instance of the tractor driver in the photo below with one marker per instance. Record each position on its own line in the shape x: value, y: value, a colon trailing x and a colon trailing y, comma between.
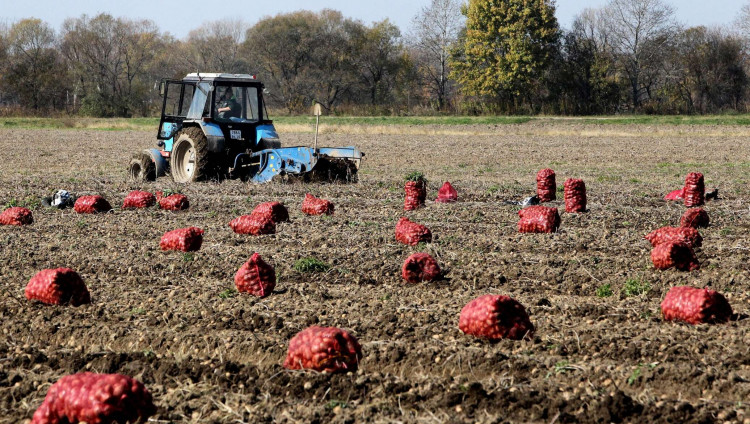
x: 227, y: 106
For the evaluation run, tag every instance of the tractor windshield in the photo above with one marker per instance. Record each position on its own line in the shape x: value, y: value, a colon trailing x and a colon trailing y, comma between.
x: 236, y: 104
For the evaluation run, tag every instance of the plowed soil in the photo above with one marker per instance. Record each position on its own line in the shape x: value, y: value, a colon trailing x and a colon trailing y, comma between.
x: 209, y: 355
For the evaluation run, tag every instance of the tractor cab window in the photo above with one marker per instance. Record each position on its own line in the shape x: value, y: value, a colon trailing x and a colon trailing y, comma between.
x: 199, y: 106
x: 236, y: 104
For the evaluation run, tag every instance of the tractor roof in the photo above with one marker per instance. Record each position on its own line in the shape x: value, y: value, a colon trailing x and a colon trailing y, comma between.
x: 208, y: 76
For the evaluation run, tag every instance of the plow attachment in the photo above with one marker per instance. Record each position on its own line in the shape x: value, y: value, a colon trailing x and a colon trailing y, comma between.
x: 300, y: 163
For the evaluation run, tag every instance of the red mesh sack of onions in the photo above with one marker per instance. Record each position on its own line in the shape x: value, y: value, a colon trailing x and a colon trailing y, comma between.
x: 575, y: 195
x: 694, y: 190
x: 182, y: 239
x: 138, y: 199
x: 411, y: 233
x: 95, y: 399
x: 695, y: 306
x: 326, y: 349
x: 275, y: 210
x: 674, y: 254
x: 694, y: 218
x: 420, y: 267
x: 545, y: 185
x: 59, y: 286
x: 174, y: 202
x: 495, y: 317
x: 538, y: 219
x: 16, y: 216
x: 687, y: 235
x: 255, y: 277
x: 415, y: 194
x: 91, y: 204
x: 255, y: 224
x: 447, y: 194
x: 315, y: 206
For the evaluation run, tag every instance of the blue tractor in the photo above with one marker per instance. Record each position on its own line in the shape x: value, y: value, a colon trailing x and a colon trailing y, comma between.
x: 216, y: 125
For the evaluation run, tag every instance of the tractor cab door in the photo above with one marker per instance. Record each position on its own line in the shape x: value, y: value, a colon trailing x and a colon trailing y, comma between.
x: 178, y: 96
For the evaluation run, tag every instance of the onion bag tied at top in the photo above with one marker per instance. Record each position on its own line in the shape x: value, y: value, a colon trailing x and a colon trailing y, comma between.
x: 327, y: 349
x: 545, y: 185
x: 183, y: 239
x: 256, y: 224
x: 275, y: 210
x: 138, y: 199
x: 575, y: 195
x: 674, y: 254
x: 59, y: 286
x: 694, y: 190
x: 694, y: 218
x: 16, y: 216
x: 91, y: 204
x: 695, y: 306
x: 495, y: 317
x: 686, y: 235
x: 420, y: 267
x: 538, y: 219
x: 173, y: 202
x: 315, y: 206
x: 255, y: 277
x: 416, y: 193
x: 95, y: 399
x: 411, y: 233
x: 447, y: 194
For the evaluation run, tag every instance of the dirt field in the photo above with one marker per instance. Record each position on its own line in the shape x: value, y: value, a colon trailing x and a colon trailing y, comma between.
x: 211, y: 356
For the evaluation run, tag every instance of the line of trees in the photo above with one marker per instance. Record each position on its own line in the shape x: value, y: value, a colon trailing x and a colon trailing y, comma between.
x: 482, y: 56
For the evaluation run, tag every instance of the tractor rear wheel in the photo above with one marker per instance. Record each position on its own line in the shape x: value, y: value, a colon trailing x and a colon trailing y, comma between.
x: 142, y: 167
x: 189, y: 159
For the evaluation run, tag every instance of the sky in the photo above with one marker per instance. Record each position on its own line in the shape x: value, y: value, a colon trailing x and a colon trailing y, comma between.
x: 179, y: 17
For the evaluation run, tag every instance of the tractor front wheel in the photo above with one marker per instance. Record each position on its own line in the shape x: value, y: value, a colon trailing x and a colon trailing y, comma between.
x: 189, y: 159
x: 142, y: 167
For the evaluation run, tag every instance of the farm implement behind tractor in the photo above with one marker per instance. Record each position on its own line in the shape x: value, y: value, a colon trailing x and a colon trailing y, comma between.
x: 217, y: 125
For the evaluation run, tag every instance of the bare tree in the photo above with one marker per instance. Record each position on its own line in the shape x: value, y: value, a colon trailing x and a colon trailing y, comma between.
x: 742, y: 23
x: 637, y: 31
x: 215, y: 46
x: 434, y: 30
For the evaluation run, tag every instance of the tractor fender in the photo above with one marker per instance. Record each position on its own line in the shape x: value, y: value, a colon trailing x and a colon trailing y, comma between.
x: 214, y: 136
x: 267, y: 137
x: 160, y: 161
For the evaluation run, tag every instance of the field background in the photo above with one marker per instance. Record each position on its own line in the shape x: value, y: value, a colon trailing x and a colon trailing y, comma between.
x: 211, y: 356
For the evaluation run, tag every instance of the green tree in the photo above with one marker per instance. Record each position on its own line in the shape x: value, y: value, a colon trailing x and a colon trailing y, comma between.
x: 506, y: 48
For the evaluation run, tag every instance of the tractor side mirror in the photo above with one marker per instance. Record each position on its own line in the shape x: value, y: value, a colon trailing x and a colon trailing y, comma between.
x: 162, y: 88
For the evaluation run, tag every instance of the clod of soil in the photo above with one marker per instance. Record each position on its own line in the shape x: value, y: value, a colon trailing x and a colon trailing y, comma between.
x: 315, y: 206
x: 695, y: 218
x: 275, y: 210
x: 92, y: 204
x: 59, y: 286
x: 676, y: 254
x: 255, y: 277
x: 183, y: 239
x: 545, y: 185
x: 495, y: 317
x: 575, y: 195
x: 16, y: 216
x: 695, y: 306
x: 255, y: 224
x: 420, y: 267
x: 686, y: 235
x: 538, y: 219
x: 328, y: 349
x: 173, y: 202
x: 95, y: 399
x: 694, y: 190
x: 411, y: 233
x: 447, y: 194
x: 138, y: 199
